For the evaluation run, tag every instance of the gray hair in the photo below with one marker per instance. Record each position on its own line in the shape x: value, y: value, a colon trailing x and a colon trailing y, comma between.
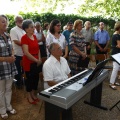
x: 101, y: 23
x: 86, y: 23
x: 17, y: 16
x: 37, y: 23
x: 26, y: 23
x: 4, y: 16
x: 52, y: 46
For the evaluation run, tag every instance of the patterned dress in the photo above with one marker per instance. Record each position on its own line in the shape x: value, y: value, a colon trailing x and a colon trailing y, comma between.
x: 7, y: 70
x: 77, y: 40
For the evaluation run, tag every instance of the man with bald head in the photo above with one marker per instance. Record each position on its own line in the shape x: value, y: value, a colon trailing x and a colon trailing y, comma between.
x: 55, y: 68
x: 101, y: 38
x: 88, y: 35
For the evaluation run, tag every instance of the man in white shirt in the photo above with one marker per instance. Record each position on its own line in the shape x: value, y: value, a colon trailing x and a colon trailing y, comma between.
x: 55, y: 68
x: 16, y: 33
x: 41, y: 39
x: 88, y: 35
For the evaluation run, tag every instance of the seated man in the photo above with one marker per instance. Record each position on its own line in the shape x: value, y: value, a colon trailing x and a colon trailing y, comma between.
x: 55, y: 68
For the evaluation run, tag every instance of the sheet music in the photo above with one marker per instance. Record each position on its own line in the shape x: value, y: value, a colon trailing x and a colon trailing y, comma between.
x: 116, y: 57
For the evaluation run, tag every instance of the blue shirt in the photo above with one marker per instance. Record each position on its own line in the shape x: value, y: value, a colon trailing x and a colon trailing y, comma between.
x: 101, y: 36
x: 67, y: 33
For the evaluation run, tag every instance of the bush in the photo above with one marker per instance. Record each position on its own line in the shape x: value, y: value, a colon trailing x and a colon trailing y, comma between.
x: 48, y: 17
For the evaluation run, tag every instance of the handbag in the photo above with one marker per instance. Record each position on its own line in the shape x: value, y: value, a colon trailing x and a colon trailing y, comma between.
x: 83, y: 62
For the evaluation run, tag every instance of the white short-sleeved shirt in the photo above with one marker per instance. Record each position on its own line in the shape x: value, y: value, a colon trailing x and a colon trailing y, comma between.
x: 88, y: 35
x: 51, y: 38
x: 16, y: 33
x: 55, y: 70
x: 39, y: 36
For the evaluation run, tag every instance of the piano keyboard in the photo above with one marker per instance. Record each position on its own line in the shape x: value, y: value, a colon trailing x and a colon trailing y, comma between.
x: 68, y: 92
x: 70, y: 81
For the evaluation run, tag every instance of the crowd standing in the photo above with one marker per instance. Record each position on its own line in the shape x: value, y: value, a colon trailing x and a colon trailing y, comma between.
x: 22, y: 52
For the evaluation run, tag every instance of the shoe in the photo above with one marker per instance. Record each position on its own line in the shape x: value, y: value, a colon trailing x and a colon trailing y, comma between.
x: 13, y: 111
x: 117, y: 84
x: 113, y: 87
x: 34, y: 102
x: 4, y: 116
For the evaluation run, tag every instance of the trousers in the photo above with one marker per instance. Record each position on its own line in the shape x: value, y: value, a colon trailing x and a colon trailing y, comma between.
x: 116, y: 68
x: 5, y: 95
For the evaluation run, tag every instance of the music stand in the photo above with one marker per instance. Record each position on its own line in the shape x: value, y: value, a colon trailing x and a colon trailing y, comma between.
x: 116, y: 57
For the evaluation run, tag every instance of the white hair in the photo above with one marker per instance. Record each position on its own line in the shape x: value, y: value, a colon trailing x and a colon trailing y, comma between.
x: 17, y: 16
x: 37, y: 23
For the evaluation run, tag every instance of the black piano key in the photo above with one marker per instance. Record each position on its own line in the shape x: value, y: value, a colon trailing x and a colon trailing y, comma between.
x: 63, y: 85
x: 56, y: 88
x: 75, y: 79
x: 71, y: 80
x: 60, y: 86
x: 68, y: 82
x: 52, y: 91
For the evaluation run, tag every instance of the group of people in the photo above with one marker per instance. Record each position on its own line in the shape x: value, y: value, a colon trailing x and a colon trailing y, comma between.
x: 29, y: 43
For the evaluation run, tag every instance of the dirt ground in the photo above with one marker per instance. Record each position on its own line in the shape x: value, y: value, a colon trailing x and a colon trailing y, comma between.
x: 81, y: 111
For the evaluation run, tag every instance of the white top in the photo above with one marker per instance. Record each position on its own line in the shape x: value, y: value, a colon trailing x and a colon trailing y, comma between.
x: 16, y: 33
x: 55, y: 70
x: 88, y: 34
x: 39, y: 36
x: 51, y: 38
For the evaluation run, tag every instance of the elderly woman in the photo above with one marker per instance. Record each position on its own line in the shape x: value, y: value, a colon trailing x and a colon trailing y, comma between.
x: 115, y: 50
x: 7, y: 70
x: 77, y: 43
x: 31, y: 59
x: 54, y: 35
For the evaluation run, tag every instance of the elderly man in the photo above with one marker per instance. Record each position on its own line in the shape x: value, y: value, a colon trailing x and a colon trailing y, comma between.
x: 88, y: 35
x: 101, y: 38
x: 41, y: 39
x: 55, y: 68
x: 16, y: 33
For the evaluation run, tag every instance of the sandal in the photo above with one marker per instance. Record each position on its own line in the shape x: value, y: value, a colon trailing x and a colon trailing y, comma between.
x: 13, y: 111
x: 4, y: 116
x: 117, y: 84
x: 113, y: 87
